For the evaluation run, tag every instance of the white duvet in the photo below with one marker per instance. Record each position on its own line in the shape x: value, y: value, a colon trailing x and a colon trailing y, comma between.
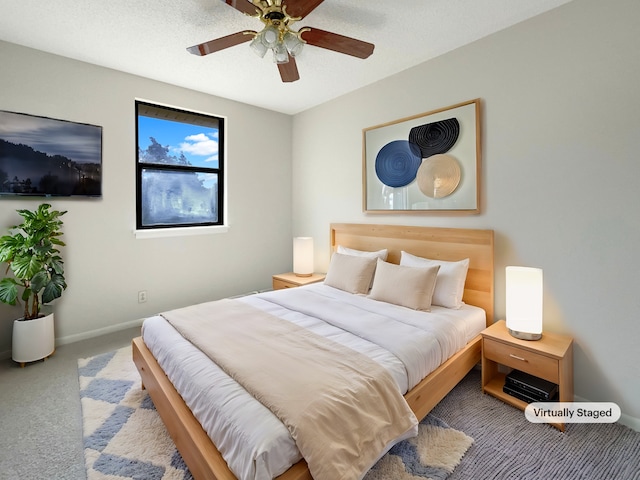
x: 254, y: 443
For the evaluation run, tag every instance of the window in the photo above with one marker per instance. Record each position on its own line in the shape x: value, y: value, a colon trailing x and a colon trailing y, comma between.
x: 179, y: 168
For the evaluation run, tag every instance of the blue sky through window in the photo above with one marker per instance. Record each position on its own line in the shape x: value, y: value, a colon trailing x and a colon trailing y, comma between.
x: 198, y: 143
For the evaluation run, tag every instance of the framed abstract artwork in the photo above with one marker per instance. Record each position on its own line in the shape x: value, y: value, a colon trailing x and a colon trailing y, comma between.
x: 425, y: 163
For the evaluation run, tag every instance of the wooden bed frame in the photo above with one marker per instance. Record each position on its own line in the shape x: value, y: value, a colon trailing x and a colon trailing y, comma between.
x: 197, y: 449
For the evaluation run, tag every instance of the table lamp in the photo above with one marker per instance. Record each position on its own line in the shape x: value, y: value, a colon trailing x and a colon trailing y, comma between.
x: 524, y: 302
x: 303, y: 256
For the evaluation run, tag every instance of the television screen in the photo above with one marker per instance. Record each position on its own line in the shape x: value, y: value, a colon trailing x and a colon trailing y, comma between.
x: 48, y: 157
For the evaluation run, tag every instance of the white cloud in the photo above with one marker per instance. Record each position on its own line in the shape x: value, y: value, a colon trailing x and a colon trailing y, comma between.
x: 200, y: 145
x: 200, y: 137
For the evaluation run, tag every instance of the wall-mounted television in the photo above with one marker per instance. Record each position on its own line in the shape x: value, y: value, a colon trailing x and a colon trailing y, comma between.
x: 49, y: 157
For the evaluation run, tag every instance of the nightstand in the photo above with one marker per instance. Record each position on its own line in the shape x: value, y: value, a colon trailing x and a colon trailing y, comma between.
x: 550, y: 358
x: 290, y: 280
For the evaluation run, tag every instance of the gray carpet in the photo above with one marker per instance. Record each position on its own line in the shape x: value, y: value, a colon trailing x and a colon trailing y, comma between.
x: 507, y: 446
x: 40, y: 417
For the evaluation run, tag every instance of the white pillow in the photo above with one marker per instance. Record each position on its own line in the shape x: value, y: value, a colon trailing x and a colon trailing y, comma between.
x: 406, y: 286
x: 350, y: 273
x: 360, y: 253
x: 450, y: 282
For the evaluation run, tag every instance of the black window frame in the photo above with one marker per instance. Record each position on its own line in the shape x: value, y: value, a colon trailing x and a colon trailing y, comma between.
x: 219, y: 171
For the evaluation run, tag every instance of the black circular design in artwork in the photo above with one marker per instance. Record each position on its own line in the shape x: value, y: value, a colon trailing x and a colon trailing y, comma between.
x: 435, y: 138
x: 397, y: 163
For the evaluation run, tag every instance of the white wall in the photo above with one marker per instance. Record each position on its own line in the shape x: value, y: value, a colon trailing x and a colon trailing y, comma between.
x: 105, y: 265
x: 561, y: 123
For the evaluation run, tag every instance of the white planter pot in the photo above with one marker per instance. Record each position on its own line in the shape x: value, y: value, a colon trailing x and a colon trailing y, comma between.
x: 33, y: 339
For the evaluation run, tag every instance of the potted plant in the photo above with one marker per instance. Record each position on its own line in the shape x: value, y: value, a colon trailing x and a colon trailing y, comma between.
x: 31, y: 252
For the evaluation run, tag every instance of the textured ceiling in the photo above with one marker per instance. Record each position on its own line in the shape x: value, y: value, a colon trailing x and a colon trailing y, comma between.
x: 149, y: 38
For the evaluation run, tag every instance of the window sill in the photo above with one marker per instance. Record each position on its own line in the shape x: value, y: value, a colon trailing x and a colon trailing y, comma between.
x: 180, y: 232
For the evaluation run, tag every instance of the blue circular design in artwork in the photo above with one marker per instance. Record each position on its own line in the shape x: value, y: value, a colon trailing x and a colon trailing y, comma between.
x: 397, y: 163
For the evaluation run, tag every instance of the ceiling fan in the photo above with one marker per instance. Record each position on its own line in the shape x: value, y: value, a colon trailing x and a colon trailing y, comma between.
x: 277, y: 35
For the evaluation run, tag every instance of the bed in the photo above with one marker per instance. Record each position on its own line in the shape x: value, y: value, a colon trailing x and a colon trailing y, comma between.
x: 444, y: 244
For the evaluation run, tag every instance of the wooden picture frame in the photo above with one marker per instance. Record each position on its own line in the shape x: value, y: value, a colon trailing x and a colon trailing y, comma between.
x: 426, y: 163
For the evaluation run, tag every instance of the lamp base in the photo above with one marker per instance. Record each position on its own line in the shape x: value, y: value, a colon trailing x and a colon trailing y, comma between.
x: 303, y: 274
x: 524, y: 335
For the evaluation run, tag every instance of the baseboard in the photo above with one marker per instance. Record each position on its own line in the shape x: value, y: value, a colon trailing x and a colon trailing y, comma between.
x: 627, y: 420
x: 245, y: 294
x: 86, y: 335
x: 113, y: 328
x: 96, y: 333
x: 103, y: 331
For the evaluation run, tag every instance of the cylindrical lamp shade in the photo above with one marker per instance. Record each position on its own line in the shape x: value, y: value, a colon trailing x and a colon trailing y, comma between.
x: 524, y: 302
x: 303, y: 256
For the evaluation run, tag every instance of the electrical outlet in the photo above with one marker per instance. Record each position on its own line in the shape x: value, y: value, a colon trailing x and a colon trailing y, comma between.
x: 142, y: 296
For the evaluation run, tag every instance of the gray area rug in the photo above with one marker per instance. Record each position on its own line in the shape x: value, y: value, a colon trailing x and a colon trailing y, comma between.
x: 507, y: 446
x: 124, y: 437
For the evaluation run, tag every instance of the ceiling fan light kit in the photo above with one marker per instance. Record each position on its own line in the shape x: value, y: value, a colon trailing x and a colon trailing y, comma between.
x: 280, y: 54
x: 258, y: 46
x: 270, y: 36
x: 294, y: 43
x: 278, y: 37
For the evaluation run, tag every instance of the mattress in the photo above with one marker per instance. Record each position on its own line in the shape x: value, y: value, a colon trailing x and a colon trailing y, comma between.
x: 254, y: 443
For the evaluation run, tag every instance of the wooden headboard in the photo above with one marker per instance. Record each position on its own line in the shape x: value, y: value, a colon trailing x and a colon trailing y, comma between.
x: 449, y: 244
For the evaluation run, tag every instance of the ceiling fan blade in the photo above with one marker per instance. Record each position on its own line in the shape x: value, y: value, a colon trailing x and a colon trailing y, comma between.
x: 301, y: 8
x: 244, y: 6
x: 222, y: 43
x: 289, y: 70
x: 337, y: 43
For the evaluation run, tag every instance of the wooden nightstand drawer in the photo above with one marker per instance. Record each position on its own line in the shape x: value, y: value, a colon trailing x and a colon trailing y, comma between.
x: 279, y: 284
x: 521, y: 359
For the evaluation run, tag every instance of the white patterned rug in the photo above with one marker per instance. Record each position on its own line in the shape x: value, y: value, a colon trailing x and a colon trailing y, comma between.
x: 125, y: 439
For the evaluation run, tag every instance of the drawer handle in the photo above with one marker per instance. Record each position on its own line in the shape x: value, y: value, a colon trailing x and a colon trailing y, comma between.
x: 517, y: 357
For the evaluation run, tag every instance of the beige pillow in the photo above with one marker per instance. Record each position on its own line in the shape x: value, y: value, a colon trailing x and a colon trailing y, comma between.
x: 361, y: 253
x: 450, y: 282
x: 350, y: 273
x: 407, y: 286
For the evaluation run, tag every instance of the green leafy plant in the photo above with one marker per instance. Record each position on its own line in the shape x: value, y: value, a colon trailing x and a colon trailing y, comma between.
x: 30, y: 250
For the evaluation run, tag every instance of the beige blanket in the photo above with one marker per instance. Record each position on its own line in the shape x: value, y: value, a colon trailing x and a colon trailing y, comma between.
x: 343, y: 410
